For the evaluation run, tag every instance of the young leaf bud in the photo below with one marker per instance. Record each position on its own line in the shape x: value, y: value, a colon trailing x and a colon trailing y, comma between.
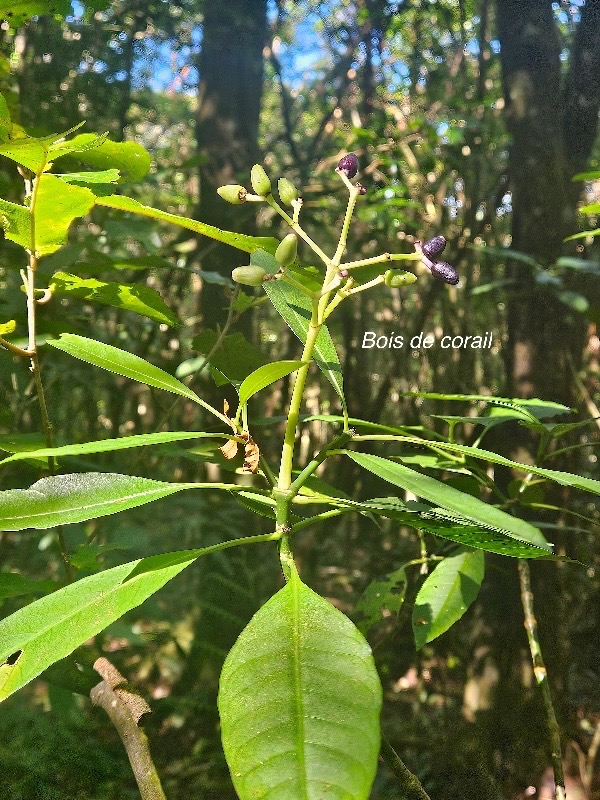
x: 348, y: 165
x: 445, y: 272
x: 287, y: 191
x: 397, y: 277
x: 260, y: 180
x: 361, y: 189
x: 434, y: 248
x: 287, y: 250
x: 251, y: 275
x: 233, y: 193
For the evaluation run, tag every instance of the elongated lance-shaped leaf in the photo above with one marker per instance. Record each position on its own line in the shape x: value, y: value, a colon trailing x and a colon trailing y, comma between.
x: 110, y: 445
x: 465, y: 505
x: 446, y: 594
x: 295, y: 308
x: 64, y: 499
x: 246, y: 243
x: 127, y: 364
x: 38, y: 635
x: 564, y: 478
x: 299, y: 702
x: 265, y: 376
x: 138, y: 298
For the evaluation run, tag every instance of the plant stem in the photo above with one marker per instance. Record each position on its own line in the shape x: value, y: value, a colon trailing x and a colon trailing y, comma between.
x: 118, y: 704
x: 541, y: 677
x: 297, y: 229
x: 410, y: 786
x: 12, y: 348
x: 339, y: 441
x: 381, y: 259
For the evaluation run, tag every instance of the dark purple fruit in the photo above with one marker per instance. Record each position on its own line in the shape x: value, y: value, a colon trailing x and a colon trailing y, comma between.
x: 445, y: 272
x: 348, y: 165
x: 434, y: 248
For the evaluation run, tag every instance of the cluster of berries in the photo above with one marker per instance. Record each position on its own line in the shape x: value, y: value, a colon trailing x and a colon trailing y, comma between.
x: 430, y: 253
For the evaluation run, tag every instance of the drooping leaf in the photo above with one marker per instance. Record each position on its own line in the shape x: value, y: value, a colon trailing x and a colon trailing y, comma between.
x: 539, y: 408
x: 138, y: 298
x: 265, y: 376
x: 295, y: 308
x: 108, y: 445
x: 57, y: 205
x: 65, y: 499
x: 446, y: 594
x: 451, y: 499
x: 123, y: 363
x: 50, y: 628
x: 238, y: 240
x: 299, y: 702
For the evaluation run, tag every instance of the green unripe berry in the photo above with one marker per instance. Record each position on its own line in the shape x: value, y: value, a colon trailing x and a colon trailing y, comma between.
x: 233, y: 193
x: 287, y: 250
x: 397, y: 277
x: 260, y: 180
x: 287, y: 191
x: 250, y: 275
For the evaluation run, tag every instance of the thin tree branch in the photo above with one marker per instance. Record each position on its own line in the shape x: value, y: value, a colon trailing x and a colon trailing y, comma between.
x: 125, y: 708
x: 541, y: 677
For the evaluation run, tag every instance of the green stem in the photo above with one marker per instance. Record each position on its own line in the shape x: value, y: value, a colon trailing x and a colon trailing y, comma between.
x: 410, y: 786
x: 339, y: 442
x: 341, y: 248
x: 12, y: 348
x: 381, y: 259
x: 297, y: 229
x: 541, y: 677
x: 306, y: 523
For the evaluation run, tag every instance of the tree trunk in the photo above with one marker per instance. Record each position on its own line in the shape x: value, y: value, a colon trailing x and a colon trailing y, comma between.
x: 230, y: 90
x: 544, y: 119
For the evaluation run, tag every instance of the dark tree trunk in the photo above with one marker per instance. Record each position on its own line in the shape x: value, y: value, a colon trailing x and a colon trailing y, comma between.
x: 230, y: 90
x: 553, y: 127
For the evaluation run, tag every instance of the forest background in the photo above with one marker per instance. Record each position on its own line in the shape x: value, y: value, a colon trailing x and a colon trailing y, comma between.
x: 472, y: 119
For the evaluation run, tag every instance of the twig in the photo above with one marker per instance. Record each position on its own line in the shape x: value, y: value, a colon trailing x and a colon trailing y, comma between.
x: 410, y: 786
x: 541, y: 677
x: 591, y: 759
x: 125, y: 708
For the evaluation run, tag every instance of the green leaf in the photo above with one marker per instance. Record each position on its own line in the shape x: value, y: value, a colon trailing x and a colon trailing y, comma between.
x: 64, y: 499
x: 231, y: 362
x: 265, y: 376
x: 239, y: 240
x: 16, y: 12
x: 453, y: 527
x: 583, y: 235
x: 7, y: 327
x: 100, y: 176
x: 130, y: 158
x: 383, y: 596
x: 564, y: 478
x: 138, y: 298
x: 14, y: 585
x: 295, y: 308
x: 109, y: 445
x: 30, y: 151
x: 539, y: 408
x: 57, y: 205
x: 299, y: 703
x: 446, y: 594
x: 5, y: 120
x: 51, y: 628
x: 451, y: 499
x: 16, y: 221
x: 123, y: 363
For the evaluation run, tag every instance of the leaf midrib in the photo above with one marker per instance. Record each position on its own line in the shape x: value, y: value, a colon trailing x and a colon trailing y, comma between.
x: 297, y: 679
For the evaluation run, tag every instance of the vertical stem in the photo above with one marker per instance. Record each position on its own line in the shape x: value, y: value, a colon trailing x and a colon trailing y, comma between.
x: 34, y: 364
x: 541, y: 677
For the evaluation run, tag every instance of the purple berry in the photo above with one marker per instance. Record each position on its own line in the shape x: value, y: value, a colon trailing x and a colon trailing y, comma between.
x: 445, y: 272
x: 348, y: 165
x: 434, y: 248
